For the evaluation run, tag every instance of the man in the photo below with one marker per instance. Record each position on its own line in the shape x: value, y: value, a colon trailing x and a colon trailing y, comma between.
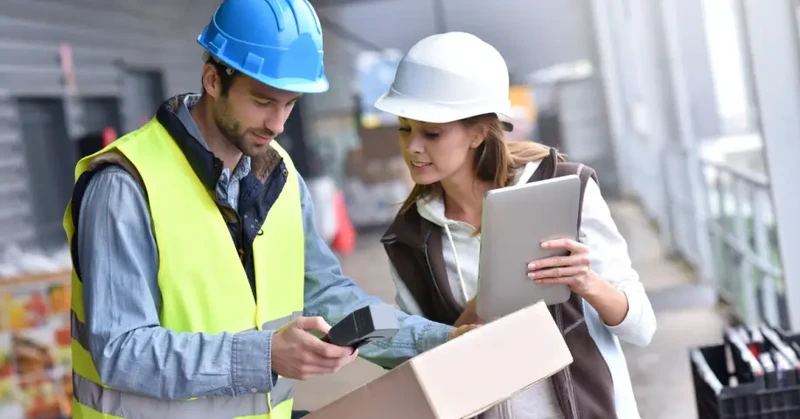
x: 172, y: 319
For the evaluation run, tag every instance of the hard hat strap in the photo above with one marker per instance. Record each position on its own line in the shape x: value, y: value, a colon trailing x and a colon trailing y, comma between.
x: 228, y: 70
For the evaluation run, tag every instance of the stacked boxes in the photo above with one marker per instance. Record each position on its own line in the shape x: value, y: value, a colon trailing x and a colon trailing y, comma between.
x: 35, y: 356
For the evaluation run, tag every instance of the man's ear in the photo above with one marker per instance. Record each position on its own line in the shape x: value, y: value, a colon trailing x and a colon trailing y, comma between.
x: 211, y: 81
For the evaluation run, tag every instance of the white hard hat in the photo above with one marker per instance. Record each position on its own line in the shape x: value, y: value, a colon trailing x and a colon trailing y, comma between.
x: 448, y: 77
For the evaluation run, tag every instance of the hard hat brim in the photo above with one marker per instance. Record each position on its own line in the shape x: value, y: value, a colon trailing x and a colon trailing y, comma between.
x: 295, y: 85
x: 426, y: 111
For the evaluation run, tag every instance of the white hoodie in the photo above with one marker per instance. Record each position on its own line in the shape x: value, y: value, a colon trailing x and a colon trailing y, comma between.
x: 609, y: 259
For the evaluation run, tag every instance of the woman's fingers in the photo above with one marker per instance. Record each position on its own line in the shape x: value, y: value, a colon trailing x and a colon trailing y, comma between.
x: 580, y: 259
x: 573, y: 246
x: 569, y: 281
x: 559, y: 272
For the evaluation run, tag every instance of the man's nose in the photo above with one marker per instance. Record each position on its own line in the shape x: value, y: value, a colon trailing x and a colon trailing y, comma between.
x: 276, y: 129
x: 275, y: 124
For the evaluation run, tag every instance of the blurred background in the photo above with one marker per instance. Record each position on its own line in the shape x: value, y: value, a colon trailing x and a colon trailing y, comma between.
x: 687, y: 109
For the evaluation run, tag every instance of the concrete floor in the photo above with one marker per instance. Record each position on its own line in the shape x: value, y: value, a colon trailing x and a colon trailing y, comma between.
x: 686, y: 312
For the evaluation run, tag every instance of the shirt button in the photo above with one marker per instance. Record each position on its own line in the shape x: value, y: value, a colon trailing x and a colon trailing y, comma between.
x: 254, y: 390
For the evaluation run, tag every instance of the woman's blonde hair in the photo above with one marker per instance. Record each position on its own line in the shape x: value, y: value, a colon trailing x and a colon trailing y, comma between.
x: 496, y: 160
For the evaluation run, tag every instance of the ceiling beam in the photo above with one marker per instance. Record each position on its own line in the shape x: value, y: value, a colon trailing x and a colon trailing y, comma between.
x: 330, y: 26
x: 439, y: 15
x: 319, y: 4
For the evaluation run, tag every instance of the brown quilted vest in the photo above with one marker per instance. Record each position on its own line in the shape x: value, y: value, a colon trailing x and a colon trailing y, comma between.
x: 414, y: 245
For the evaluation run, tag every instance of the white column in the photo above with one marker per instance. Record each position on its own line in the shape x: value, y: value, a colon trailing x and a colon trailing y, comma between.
x: 608, y: 52
x: 775, y: 53
x: 683, y: 102
x: 655, y: 132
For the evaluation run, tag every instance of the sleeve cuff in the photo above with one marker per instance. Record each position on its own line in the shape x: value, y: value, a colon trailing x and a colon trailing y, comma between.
x: 433, y: 335
x: 251, y: 366
x: 630, y: 325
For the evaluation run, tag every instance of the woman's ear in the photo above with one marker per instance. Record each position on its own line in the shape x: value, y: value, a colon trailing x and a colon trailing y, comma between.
x: 479, y: 134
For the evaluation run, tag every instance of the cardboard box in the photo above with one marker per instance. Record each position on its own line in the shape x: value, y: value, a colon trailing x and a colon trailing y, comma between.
x: 380, y: 143
x: 376, y: 170
x: 372, y: 205
x: 465, y: 376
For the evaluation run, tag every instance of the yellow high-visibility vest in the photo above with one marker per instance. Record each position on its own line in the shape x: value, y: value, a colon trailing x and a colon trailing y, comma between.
x: 203, y: 285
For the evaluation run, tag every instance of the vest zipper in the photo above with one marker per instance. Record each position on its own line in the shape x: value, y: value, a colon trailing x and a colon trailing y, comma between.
x: 430, y: 268
x: 442, y: 297
x: 506, y: 411
x: 567, y: 373
x: 240, y: 236
x: 238, y: 240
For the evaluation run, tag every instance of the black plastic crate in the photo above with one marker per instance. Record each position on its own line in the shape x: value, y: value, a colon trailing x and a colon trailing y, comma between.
x: 759, y: 395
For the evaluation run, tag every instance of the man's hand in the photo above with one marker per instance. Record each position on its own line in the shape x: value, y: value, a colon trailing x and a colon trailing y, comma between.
x: 461, y: 330
x: 298, y: 354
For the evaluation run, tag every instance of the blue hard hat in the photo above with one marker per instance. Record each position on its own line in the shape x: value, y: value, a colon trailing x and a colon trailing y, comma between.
x: 277, y: 42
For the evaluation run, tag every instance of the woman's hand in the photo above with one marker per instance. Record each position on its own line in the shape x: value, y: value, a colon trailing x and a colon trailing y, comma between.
x: 469, y: 315
x: 573, y: 270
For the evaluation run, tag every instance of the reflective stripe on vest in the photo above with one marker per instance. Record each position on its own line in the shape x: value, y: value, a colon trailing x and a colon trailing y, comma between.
x: 116, y: 403
x: 195, y: 251
x: 127, y: 405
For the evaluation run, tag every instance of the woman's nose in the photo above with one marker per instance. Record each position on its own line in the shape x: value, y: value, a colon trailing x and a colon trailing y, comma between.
x: 414, y: 145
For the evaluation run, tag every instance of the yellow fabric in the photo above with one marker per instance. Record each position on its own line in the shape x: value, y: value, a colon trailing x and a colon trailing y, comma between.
x: 283, y: 410
x: 204, y: 287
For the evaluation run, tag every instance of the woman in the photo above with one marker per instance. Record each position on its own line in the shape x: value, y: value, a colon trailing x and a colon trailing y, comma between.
x: 448, y: 92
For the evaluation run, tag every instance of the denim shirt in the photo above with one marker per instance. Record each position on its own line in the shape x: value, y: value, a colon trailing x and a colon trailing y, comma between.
x: 133, y: 353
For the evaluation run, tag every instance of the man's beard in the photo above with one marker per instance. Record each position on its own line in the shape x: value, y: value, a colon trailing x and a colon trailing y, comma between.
x: 232, y: 130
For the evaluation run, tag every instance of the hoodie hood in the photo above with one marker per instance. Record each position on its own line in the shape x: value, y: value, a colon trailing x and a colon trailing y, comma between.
x: 433, y: 209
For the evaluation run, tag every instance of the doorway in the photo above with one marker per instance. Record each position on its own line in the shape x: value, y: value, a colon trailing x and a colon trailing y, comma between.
x: 144, y: 92
x: 50, y: 158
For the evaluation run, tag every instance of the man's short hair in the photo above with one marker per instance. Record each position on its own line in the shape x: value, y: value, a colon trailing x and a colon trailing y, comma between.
x: 226, y: 74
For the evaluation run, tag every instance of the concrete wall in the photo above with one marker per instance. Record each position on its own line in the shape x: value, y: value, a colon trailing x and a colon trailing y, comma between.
x: 531, y: 34
x: 119, y: 47
x: 694, y: 48
x: 112, y: 41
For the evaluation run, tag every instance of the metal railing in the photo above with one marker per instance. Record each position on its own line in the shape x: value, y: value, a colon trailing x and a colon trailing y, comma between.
x: 681, y: 205
x: 746, y: 257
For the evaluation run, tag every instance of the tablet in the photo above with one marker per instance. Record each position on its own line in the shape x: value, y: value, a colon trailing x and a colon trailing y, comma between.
x: 515, y: 221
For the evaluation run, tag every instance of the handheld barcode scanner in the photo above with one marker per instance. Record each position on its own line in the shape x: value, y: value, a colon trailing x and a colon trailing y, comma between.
x: 363, y: 326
